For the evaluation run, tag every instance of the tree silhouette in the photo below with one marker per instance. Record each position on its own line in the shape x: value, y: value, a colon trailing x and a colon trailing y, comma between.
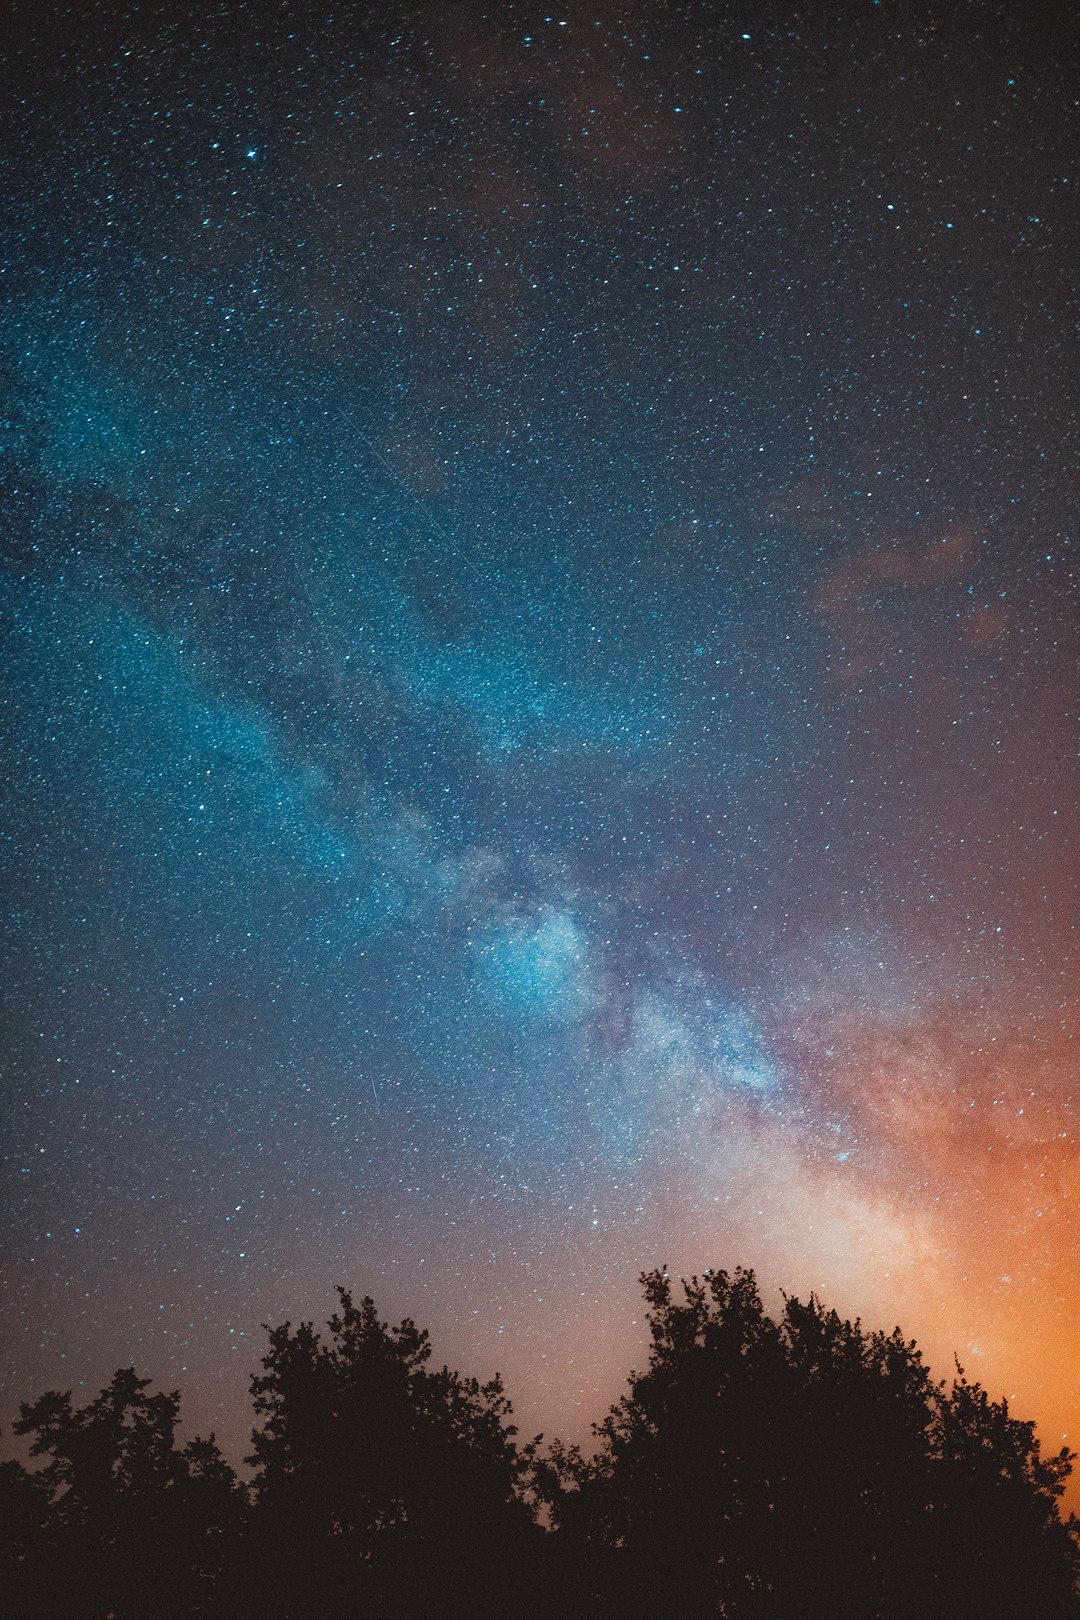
x: 380, y: 1481
x: 805, y: 1467
x: 24, y: 1513
x: 757, y: 1469
x: 127, y: 1523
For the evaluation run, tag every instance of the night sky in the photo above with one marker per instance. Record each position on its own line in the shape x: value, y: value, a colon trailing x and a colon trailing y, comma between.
x: 541, y: 643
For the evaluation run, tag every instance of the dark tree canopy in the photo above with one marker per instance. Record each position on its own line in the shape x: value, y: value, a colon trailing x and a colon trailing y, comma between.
x: 804, y: 1467
x: 784, y: 1469
x: 119, y: 1519
x: 407, y: 1480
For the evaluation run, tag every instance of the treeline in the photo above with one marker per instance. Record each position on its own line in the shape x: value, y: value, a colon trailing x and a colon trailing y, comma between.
x: 801, y: 1468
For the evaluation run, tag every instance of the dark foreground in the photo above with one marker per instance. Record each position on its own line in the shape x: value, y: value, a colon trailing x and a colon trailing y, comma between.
x: 782, y: 1470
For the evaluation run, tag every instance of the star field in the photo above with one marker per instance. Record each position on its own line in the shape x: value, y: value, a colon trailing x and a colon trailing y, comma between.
x: 540, y: 629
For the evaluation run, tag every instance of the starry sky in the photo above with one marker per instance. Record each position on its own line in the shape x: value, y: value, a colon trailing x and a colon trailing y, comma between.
x: 541, y: 641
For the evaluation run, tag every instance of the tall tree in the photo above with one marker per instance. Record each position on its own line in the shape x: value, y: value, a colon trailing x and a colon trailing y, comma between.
x: 379, y: 1480
x: 130, y: 1523
x: 802, y: 1467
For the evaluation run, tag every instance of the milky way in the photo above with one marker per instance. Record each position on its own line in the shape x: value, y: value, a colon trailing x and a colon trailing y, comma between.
x: 541, y: 644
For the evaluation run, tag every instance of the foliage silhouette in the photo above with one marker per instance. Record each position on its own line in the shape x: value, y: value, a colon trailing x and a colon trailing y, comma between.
x: 381, y: 1482
x: 119, y: 1520
x: 801, y: 1468
x: 774, y: 1469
